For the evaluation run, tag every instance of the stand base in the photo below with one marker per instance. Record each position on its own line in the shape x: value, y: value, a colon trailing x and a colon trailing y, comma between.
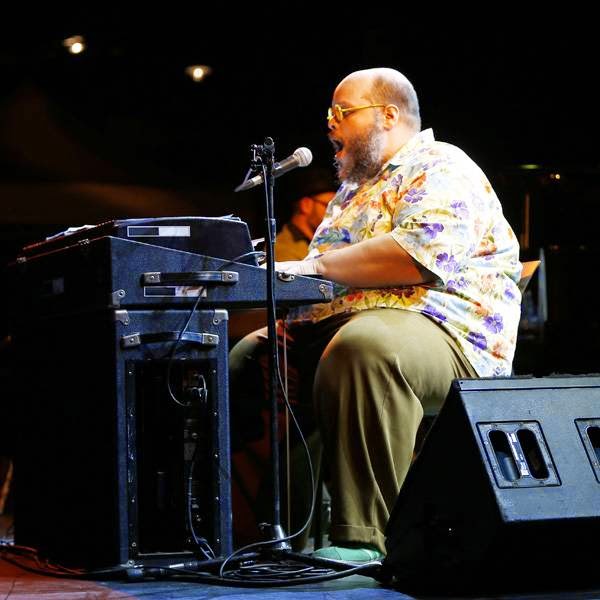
x: 275, y: 532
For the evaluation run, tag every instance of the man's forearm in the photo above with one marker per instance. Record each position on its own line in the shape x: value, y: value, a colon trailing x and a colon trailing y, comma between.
x: 377, y: 262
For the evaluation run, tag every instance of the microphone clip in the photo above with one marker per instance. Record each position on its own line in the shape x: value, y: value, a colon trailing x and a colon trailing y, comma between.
x: 263, y: 154
x: 262, y: 158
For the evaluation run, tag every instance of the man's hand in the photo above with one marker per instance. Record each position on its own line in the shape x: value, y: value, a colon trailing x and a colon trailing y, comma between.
x: 299, y: 267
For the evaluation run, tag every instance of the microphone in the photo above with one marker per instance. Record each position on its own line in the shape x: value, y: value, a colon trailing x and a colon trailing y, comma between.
x: 302, y: 157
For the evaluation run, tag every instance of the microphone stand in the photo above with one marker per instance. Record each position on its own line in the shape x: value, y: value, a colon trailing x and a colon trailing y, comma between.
x: 264, y: 157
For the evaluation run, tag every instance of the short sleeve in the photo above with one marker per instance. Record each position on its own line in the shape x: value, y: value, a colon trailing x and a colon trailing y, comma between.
x: 438, y: 215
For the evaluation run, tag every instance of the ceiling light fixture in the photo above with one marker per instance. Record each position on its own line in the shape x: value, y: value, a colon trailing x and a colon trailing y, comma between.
x: 75, y: 44
x: 198, y: 72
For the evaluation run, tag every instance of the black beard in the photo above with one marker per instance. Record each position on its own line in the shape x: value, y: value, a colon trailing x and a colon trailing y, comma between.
x: 364, y: 158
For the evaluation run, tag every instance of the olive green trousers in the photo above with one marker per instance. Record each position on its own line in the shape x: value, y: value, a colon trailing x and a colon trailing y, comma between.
x: 365, y: 379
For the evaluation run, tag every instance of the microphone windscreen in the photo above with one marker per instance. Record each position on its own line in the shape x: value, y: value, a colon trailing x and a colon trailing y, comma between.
x: 304, y: 156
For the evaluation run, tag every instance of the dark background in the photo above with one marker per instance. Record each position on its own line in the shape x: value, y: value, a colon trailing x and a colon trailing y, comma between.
x: 120, y: 131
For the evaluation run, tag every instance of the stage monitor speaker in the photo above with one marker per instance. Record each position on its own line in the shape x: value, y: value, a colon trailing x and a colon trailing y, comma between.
x: 505, y: 493
x: 111, y: 469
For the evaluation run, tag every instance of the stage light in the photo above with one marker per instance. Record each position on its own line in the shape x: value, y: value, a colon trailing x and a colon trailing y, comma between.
x: 198, y: 72
x: 74, y: 44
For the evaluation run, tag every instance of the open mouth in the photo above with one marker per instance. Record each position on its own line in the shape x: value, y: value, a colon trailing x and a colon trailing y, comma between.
x: 337, y: 145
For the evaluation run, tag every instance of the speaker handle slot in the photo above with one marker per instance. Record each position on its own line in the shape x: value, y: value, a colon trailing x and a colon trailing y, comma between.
x: 589, y: 430
x: 533, y: 454
x: 504, y: 455
x: 594, y: 437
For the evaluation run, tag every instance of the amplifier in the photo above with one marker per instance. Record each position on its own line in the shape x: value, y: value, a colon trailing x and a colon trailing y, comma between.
x: 123, y: 456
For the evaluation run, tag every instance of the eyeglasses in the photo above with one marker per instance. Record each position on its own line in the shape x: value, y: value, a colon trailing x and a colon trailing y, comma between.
x: 317, y: 201
x: 337, y: 112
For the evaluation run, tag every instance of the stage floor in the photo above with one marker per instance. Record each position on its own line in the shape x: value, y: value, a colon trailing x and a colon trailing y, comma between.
x: 16, y: 583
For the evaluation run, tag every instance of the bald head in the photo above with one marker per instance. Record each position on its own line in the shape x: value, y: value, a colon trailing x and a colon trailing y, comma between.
x: 377, y: 113
x: 387, y: 86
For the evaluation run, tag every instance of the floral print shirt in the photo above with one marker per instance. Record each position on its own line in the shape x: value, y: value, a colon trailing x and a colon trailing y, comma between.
x: 439, y: 206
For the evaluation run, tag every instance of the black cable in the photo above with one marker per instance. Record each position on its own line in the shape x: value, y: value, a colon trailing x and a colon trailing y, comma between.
x: 259, y: 253
x: 249, y: 580
x: 172, y: 355
x: 313, y: 490
x: 184, y: 329
x: 202, y: 543
x: 304, y: 444
x: 252, y: 581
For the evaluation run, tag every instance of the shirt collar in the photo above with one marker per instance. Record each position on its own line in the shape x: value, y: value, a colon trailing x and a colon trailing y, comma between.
x: 419, y: 139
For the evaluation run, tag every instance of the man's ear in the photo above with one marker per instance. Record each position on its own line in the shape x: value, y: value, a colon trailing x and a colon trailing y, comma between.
x: 391, y: 116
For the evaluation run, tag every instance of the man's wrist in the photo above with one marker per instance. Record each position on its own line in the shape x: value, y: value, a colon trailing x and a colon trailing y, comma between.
x: 318, y: 266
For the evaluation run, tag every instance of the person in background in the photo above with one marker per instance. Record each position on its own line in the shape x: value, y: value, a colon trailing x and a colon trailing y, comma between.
x: 312, y: 189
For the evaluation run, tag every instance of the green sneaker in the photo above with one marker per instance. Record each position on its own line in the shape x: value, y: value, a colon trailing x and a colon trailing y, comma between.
x: 355, y: 554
